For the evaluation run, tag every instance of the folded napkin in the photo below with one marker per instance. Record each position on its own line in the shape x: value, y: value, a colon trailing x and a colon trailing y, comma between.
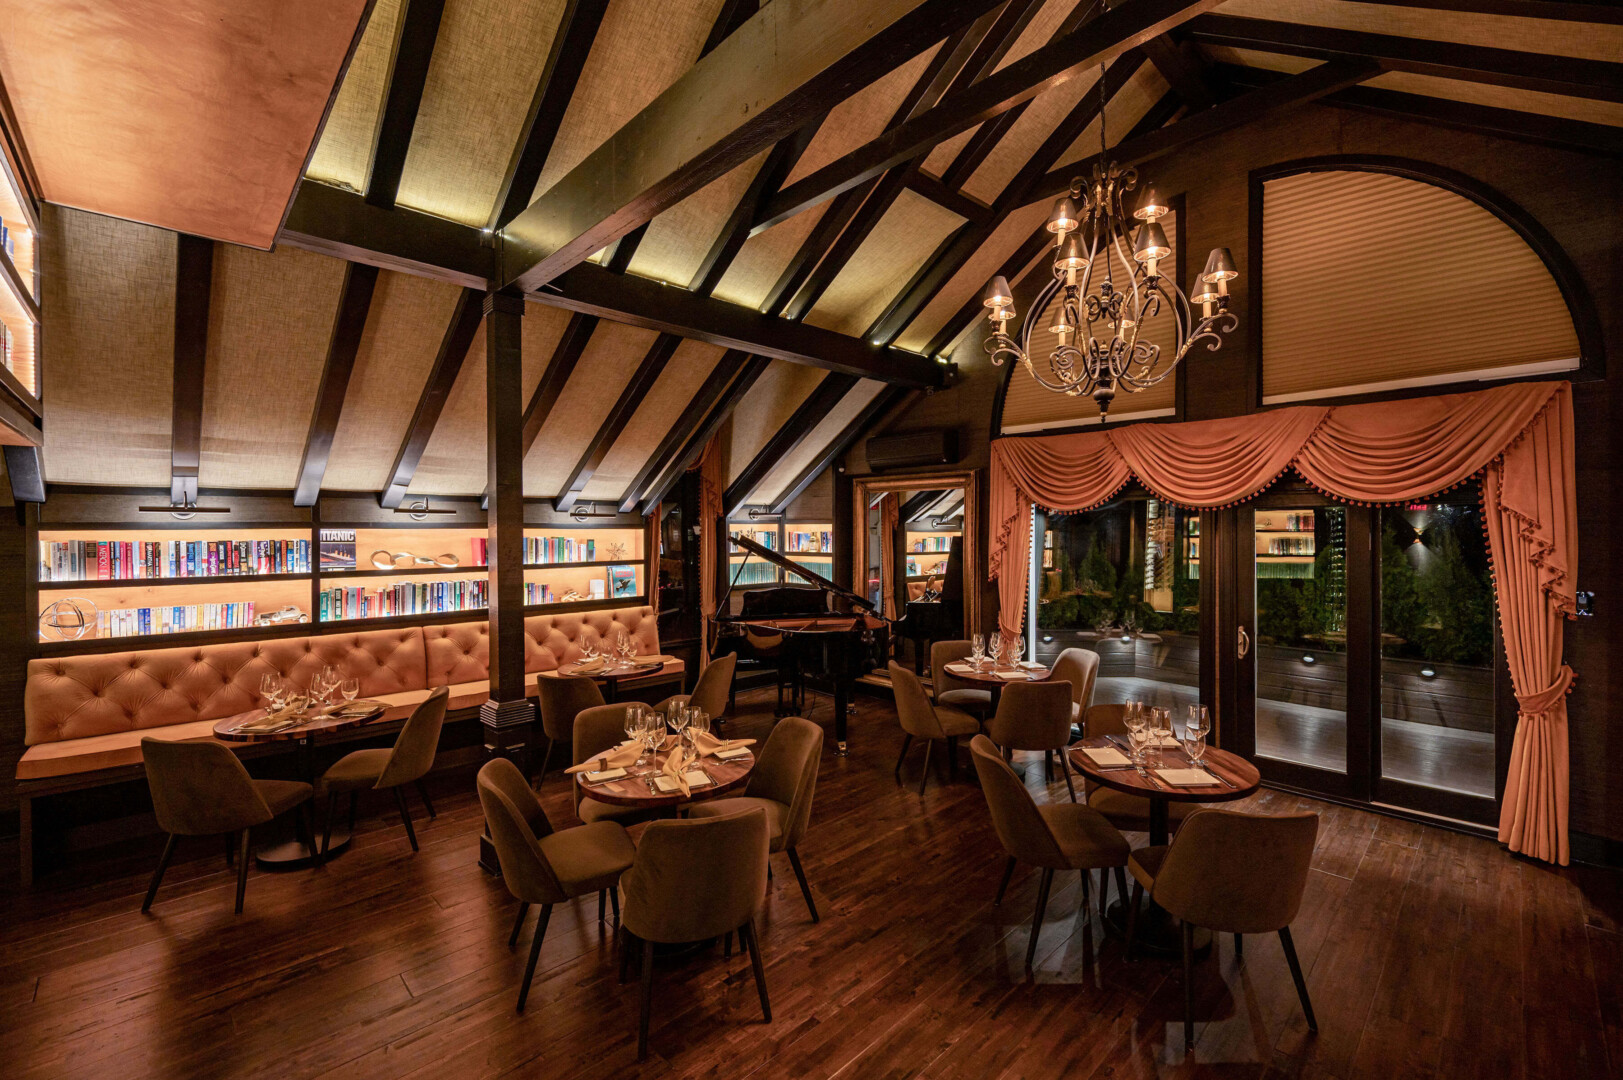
x: 961, y: 668
x: 589, y: 664
x: 1010, y: 676
x: 617, y: 758
x: 1186, y: 777
x: 356, y: 708
x: 1106, y: 756
x: 707, y: 744
x: 675, y: 766
x: 266, y: 726
x: 1030, y: 665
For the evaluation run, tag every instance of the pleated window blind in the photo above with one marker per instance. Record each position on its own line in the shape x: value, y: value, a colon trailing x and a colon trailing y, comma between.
x: 1372, y: 282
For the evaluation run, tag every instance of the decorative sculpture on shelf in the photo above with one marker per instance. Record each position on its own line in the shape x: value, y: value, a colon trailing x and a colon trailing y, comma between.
x: 405, y: 560
x: 616, y: 550
x: 289, y: 614
x: 69, y: 618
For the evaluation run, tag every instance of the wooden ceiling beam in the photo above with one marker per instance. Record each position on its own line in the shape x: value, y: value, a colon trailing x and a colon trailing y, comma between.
x: 25, y: 470
x: 1589, y: 11
x: 771, y: 175
x: 733, y: 14
x: 700, y: 437
x: 964, y: 205
x: 419, y: 27
x: 1184, y: 70
x: 576, y: 336
x: 354, y: 303
x: 1569, y: 75
x: 341, y: 224
x: 625, y: 407
x: 454, y: 345
x: 823, y: 399
x: 683, y: 425
x: 786, y: 65
x: 566, y: 59
x: 830, y: 453
x: 194, y: 281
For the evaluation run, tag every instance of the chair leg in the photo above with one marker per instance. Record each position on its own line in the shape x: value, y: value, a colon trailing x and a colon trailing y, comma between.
x: 518, y: 924
x: 907, y: 742
x: 614, y: 902
x: 1188, y: 985
x: 1121, y: 890
x: 727, y: 946
x: 306, y: 836
x: 647, y: 999
x: 805, y: 889
x: 1087, y: 889
x: 924, y: 777
x: 753, y: 943
x: 242, y: 870
x: 326, y: 833
x: 405, y: 816
x: 1132, y: 916
x: 602, y: 905
x: 546, y: 759
x: 163, y: 864
x: 1048, y: 767
x: 952, y: 757
x: 428, y: 804
x: 1003, y: 886
x: 1296, y: 974
x: 1239, y: 947
x: 1070, y: 787
x: 541, y: 921
x: 1037, y: 919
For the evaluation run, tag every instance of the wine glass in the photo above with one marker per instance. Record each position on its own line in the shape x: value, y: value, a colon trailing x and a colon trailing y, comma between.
x: 1014, y: 648
x: 1133, y: 716
x: 1199, y: 719
x: 698, y: 722
x: 1138, y: 739
x: 627, y: 647
x: 680, y: 718
x: 270, y: 688
x: 977, y: 649
x: 350, y: 688
x: 1161, y: 729
x: 633, y: 726
x: 994, y: 647
x: 588, y: 648
x: 1193, y: 741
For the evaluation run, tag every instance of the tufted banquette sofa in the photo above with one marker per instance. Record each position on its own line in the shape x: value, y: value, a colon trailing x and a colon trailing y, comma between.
x: 86, y: 714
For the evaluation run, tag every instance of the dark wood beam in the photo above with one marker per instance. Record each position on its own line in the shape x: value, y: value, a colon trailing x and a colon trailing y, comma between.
x: 1184, y: 70
x: 419, y: 26
x: 348, y: 325
x: 830, y: 453
x: 25, y: 469
x: 964, y: 205
x: 753, y: 368
x: 733, y: 14
x: 1290, y: 93
x: 972, y: 308
x: 1573, y: 76
x: 508, y: 717
x: 629, y: 299
x: 576, y: 336
x: 571, y: 45
x: 771, y: 175
x: 454, y: 346
x: 625, y: 407
x: 822, y: 237
x: 625, y: 249
x: 1099, y: 41
x: 786, y: 65
x: 194, y: 280
x: 1590, y: 11
x: 683, y: 424
x: 331, y: 221
x: 819, y: 404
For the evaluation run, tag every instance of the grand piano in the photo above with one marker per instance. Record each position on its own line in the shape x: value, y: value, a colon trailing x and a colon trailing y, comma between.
x: 824, y: 630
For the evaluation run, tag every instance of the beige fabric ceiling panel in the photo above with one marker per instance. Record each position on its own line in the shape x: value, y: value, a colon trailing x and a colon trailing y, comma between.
x: 640, y: 50
x: 1559, y: 37
x: 782, y: 388
x: 454, y: 461
x: 971, y: 280
x: 945, y: 151
x: 404, y: 327
x: 1318, y: 225
x: 110, y: 328
x: 1136, y: 97
x: 763, y: 258
x: 907, y: 235
x: 270, y: 319
x: 598, y: 379
x: 343, y: 157
x: 820, y: 438
x: 678, y: 240
x: 487, y: 63
x: 1025, y: 136
x: 862, y: 117
x: 660, y: 411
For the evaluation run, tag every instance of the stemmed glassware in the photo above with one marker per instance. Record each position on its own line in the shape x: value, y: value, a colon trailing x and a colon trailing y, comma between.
x: 1161, y: 729
x: 698, y: 721
x: 1133, y: 716
x: 977, y: 649
x: 680, y: 718
x: 1014, y: 647
x: 270, y: 688
x: 627, y: 647
x: 1195, y: 730
x: 588, y: 648
x: 994, y: 647
x: 350, y: 688
x: 634, y: 724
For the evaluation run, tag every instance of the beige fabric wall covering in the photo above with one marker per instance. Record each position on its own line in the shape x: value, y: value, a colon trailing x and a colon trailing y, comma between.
x: 862, y: 117
x: 1025, y: 135
x: 404, y: 327
x: 1317, y: 226
x: 660, y: 411
x: 973, y: 277
x: 1558, y: 37
x: 641, y: 48
x: 454, y: 461
x: 487, y: 61
x: 1126, y: 109
x: 884, y: 263
x: 109, y: 331
x: 763, y: 258
x: 780, y: 390
x: 344, y: 155
x: 677, y: 240
x: 543, y: 328
x: 270, y: 319
x: 602, y: 373
x: 944, y: 153
x: 820, y: 438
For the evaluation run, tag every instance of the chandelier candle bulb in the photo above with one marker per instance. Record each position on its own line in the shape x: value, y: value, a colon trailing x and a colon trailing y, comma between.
x: 1065, y: 218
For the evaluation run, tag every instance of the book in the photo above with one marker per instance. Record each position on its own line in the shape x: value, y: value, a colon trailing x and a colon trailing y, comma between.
x: 623, y: 581
x: 337, y: 549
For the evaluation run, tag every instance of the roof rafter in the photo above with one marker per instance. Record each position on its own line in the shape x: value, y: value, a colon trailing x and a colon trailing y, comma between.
x: 822, y: 400
x: 194, y: 280
x: 354, y: 303
x: 625, y: 406
x: 686, y: 422
x: 700, y: 437
x: 419, y: 27
x: 827, y: 456
x: 576, y: 336
x: 454, y: 346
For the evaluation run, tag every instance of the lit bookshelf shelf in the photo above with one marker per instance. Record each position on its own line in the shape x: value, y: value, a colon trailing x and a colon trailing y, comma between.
x: 125, y: 583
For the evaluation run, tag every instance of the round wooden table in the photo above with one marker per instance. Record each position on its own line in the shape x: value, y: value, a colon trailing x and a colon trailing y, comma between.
x: 990, y: 680
x: 1157, y: 930
x: 633, y: 788
x: 294, y: 853
x: 611, y: 674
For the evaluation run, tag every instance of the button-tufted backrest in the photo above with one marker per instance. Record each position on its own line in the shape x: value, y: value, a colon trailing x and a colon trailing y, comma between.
x: 74, y: 697
x: 460, y: 652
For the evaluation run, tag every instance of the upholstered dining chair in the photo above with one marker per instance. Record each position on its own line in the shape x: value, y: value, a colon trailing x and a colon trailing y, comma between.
x: 1035, y: 716
x: 922, y: 720
x: 1130, y: 813
x: 562, y: 698
x: 540, y: 866
x: 782, y: 784
x: 202, y: 789
x: 1231, y: 873
x: 597, y: 731
x: 951, y: 691
x: 692, y: 880
x: 389, y: 769
x: 1080, y: 668
x: 713, y: 689
x: 1053, y: 836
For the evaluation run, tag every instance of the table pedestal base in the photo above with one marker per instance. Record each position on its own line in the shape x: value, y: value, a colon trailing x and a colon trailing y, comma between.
x: 1157, y: 932
x: 294, y: 855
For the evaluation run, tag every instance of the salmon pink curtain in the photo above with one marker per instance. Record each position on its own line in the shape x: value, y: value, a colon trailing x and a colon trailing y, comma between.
x: 890, y: 507
x: 1517, y: 437
x: 712, y: 486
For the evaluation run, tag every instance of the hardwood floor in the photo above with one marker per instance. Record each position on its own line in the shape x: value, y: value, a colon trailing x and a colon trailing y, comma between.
x: 1428, y: 954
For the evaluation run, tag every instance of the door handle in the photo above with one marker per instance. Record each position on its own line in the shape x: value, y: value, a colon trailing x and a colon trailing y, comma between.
x: 1244, y: 642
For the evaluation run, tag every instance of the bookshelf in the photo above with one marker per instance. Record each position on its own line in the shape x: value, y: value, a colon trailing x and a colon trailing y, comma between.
x: 927, y: 551
x: 809, y: 544
x: 1285, y: 543
x: 19, y: 288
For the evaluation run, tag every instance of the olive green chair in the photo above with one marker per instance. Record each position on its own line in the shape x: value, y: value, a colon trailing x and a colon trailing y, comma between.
x: 597, y: 731
x: 562, y: 699
x: 1130, y: 813
x: 1080, y: 668
x: 390, y: 768
x: 1036, y: 716
x: 922, y: 720
x: 781, y: 784
x: 951, y: 691
x: 1053, y: 836
x: 712, y: 690
x: 1231, y: 873
x: 693, y: 880
x: 202, y: 789
x: 540, y: 866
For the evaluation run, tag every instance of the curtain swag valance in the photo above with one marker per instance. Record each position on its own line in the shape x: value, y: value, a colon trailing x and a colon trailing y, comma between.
x: 1518, y: 438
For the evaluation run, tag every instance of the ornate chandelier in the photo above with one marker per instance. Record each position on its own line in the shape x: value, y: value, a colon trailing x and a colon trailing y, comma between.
x: 1108, y: 300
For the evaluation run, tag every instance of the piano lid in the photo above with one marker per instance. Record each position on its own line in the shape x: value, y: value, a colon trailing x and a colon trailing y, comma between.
x: 795, y: 568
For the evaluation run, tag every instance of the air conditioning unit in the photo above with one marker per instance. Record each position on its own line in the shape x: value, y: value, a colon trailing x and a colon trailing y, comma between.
x: 917, y: 448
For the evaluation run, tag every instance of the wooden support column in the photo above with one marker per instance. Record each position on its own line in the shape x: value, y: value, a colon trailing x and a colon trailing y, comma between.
x: 194, y: 277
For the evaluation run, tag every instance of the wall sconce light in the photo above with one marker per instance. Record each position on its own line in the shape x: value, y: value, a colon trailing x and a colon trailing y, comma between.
x: 1308, y: 659
x: 184, y: 511
x: 587, y: 511
x: 420, y: 509
x: 1427, y: 673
